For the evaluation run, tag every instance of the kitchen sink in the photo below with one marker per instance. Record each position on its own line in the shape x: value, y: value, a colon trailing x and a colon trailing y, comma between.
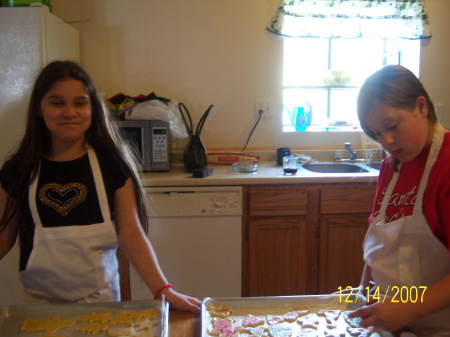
x: 374, y: 164
x: 335, y: 168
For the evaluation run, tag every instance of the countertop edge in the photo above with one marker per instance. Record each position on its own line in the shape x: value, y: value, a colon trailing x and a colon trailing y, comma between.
x: 266, y: 175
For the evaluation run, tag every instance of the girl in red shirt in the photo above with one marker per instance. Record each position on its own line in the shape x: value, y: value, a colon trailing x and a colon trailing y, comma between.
x: 407, y: 243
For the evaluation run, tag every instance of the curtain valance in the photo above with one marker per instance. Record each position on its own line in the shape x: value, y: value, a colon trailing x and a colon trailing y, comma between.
x: 351, y: 19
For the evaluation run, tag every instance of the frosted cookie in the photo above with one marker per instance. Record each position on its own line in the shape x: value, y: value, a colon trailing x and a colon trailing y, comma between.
x: 330, y: 315
x: 360, y: 332
x: 280, y: 331
x: 308, y: 334
x: 331, y: 325
x: 272, y: 320
x: 353, y: 322
x: 301, y: 310
x: 310, y: 321
x: 221, y: 326
x: 334, y: 334
x: 252, y: 321
x: 259, y: 331
x: 290, y: 316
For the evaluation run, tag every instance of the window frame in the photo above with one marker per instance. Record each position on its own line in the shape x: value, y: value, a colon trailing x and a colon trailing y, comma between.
x: 334, y: 88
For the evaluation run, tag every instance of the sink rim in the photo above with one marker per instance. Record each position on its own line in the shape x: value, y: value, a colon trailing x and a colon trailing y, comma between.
x: 327, y: 168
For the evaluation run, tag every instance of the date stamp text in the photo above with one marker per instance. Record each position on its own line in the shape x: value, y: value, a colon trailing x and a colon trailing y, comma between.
x: 394, y: 294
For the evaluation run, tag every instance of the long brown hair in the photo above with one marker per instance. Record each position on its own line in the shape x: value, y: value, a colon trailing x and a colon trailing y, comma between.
x: 395, y: 86
x: 36, y: 143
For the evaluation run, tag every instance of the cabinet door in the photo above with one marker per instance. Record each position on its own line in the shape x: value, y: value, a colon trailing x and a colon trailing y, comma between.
x: 341, y: 254
x: 278, y: 256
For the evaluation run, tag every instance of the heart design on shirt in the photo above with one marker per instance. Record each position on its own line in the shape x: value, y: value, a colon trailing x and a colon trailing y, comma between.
x: 62, y: 198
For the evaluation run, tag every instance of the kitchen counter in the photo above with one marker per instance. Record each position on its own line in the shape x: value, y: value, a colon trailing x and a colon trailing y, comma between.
x: 267, y: 173
x: 184, y: 324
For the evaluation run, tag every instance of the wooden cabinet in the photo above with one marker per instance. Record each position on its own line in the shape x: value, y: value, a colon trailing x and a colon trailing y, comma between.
x: 340, y: 254
x: 343, y: 224
x: 304, y: 239
x: 278, y: 253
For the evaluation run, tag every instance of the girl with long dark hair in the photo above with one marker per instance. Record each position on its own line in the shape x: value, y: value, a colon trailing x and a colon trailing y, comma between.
x: 72, y: 194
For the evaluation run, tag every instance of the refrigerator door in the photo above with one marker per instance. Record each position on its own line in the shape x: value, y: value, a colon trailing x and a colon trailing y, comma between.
x: 30, y: 37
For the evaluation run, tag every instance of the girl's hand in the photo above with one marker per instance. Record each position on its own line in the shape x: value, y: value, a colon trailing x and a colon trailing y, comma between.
x: 386, y: 316
x: 182, y: 302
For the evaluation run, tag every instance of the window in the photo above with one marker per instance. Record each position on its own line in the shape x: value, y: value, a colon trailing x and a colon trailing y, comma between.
x: 322, y: 78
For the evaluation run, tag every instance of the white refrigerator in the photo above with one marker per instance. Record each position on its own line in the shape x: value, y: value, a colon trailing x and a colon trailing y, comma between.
x: 30, y: 37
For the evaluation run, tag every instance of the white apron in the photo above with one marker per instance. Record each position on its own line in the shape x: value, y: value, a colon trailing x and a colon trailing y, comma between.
x: 405, y: 252
x: 73, y: 263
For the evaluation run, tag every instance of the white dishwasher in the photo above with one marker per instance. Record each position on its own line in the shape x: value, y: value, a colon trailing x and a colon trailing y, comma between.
x: 196, y: 233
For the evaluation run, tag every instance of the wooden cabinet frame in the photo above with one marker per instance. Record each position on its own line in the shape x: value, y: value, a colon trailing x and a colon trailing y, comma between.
x: 303, y: 238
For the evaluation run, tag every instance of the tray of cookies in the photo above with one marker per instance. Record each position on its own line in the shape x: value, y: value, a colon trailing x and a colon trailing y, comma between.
x: 134, y: 318
x: 312, y: 316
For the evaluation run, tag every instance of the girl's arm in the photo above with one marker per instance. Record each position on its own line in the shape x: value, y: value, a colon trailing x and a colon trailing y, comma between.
x: 366, y: 276
x: 392, y: 316
x: 9, y: 233
x: 139, y: 250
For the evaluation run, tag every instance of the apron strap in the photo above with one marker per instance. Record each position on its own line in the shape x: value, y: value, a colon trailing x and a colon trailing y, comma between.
x: 436, y: 144
x: 32, y: 200
x: 99, y: 184
x: 438, y: 137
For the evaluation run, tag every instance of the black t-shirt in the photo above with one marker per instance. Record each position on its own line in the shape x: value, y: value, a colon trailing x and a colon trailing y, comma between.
x: 66, y: 194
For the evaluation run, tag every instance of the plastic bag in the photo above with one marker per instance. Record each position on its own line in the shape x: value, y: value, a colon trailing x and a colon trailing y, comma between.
x: 156, y: 109
x: 177, y: 127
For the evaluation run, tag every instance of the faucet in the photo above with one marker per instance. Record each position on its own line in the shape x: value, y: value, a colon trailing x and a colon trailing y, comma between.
x: 348, y: 147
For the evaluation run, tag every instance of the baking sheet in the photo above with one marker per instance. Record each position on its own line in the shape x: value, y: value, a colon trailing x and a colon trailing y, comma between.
x: 12, y: 317
x: 280, y: 305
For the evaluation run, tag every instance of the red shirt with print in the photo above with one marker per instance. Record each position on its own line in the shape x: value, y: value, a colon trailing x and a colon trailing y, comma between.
x: 436, y: 202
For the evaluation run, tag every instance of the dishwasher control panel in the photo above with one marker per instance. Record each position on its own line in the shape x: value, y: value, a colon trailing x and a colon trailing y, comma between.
x: 194, y: 201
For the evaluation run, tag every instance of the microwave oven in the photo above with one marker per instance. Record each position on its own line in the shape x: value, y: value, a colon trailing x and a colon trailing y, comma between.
x: 150, y: 139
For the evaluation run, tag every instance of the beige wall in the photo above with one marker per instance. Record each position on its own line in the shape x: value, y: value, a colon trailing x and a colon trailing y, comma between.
x: 435, y: 56
x: 204, y: 52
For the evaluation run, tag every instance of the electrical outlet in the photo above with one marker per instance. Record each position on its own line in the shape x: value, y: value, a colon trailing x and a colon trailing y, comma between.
x: 266, y: 105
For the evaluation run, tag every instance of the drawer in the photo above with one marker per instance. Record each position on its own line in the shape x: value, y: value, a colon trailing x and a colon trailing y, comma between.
x: 347, y: 199
x: 277, y: 201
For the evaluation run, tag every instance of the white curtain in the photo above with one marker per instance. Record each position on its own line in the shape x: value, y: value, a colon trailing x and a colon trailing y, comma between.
x: 351, y: 19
